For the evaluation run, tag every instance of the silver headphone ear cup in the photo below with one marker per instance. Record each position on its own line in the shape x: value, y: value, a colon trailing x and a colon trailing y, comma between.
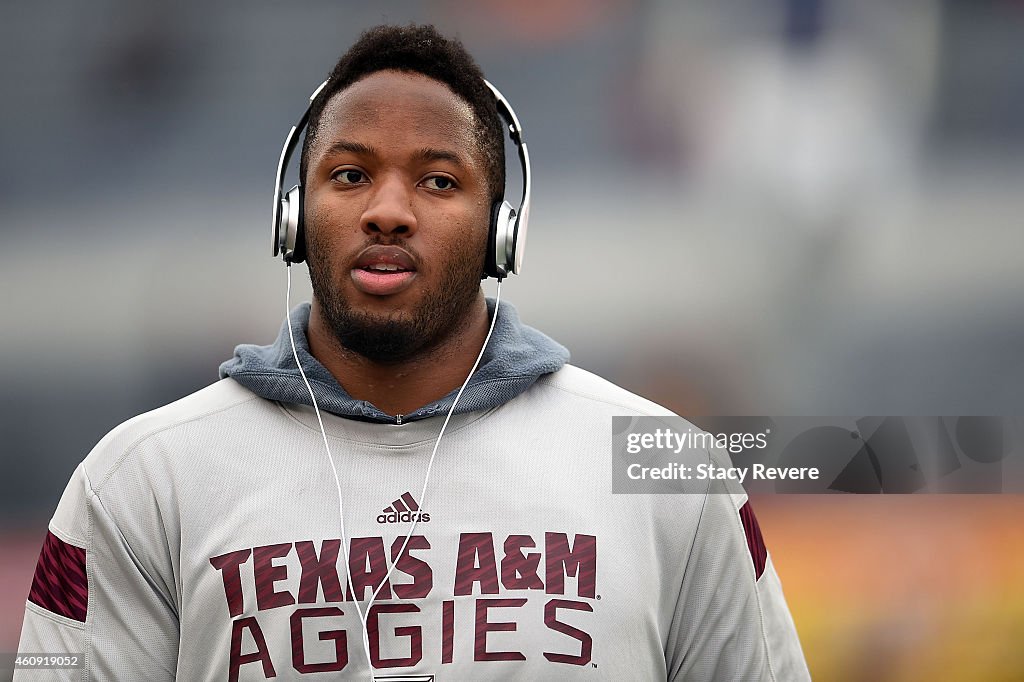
x: 504, y: 237
x: 279, y: 236
x: 280, y: 229
x: 290, y: 210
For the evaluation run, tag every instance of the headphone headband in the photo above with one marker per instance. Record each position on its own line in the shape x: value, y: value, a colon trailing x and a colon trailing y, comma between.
x: 507, y: 235
x: 279, y: 210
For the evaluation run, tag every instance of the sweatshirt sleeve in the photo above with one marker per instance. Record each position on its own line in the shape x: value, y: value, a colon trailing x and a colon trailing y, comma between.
x: 731, y: 620
x: 93, y: 598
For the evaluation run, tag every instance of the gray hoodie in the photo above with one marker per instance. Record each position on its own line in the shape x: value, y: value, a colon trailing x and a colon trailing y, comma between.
x: 515, y: 357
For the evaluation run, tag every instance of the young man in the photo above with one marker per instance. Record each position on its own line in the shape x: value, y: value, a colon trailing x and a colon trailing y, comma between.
x: 235, y: 535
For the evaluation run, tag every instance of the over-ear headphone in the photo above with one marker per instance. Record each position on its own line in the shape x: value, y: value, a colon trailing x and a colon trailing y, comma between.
x: 506, y: 240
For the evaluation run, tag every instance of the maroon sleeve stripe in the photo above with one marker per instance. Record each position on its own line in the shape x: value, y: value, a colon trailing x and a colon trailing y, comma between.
x: 60, y: 584
x: 755, y: 543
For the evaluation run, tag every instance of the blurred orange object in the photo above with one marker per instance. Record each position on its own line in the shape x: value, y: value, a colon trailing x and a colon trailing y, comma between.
x: 902, y: 588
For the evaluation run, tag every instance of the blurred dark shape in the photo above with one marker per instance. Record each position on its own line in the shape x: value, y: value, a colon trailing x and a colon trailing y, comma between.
x: 980, y: 99
x: 804, y: 23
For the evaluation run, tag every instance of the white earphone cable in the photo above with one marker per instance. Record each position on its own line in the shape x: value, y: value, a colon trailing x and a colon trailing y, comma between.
x: 430, y: 463
x: 364, y: 616
x: 327, y: 447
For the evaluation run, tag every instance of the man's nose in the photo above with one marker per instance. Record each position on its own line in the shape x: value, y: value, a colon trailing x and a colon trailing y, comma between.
x: 389, y: 210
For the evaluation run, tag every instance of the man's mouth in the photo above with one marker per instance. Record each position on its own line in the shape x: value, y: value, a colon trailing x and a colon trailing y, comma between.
x: 385, y: 267
x: 383, y: 270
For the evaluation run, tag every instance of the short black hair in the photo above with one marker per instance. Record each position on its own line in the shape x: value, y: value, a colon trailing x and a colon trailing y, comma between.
x: 419, y: 49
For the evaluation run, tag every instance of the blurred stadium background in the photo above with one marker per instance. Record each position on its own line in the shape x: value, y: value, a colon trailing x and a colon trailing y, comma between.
x: 791, y: 207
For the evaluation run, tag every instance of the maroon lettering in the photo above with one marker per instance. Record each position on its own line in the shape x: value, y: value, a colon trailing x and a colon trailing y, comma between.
x: 551, y: 620
x: 368, y: 566
x: 419, y: 570
x: 319, y: 570
x: 476, y: 564
x: 339, y: 637
x: 755, y: 541
x: 236, y: 660
x: 579, y: 561
x: 518, y: 570
x: 266, y: 574
x: 228, y: 565
x: 413, y: 632
x: 447, y: 630
x: 483, y: 626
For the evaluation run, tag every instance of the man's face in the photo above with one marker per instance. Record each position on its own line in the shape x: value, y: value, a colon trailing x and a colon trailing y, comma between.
x: 396, y: 215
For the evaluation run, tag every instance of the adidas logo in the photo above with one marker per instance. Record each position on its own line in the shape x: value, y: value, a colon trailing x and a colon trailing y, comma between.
x: 403, y: 510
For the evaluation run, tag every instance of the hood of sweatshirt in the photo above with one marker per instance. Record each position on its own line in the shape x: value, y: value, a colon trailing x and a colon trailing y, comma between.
x: 515, y: 357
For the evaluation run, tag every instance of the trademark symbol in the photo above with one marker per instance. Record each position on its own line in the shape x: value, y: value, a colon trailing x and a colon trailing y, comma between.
x: 598, y: 599
x: 593, y: 665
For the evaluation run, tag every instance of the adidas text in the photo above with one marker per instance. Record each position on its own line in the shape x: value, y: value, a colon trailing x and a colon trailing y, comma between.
x: 403, y: 517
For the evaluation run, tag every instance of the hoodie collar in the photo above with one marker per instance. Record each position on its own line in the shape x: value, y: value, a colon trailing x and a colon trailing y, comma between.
x: 516, y: 356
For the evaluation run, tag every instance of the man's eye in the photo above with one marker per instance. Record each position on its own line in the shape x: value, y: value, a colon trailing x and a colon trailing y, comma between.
x: 350, y: 177
x: 439, y: 182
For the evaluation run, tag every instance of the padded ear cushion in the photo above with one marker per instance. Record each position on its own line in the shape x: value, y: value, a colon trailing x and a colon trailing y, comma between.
x: 517, y: 228
x: 292, y: 244
x: 491, y: 264
x: 299, y: 253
